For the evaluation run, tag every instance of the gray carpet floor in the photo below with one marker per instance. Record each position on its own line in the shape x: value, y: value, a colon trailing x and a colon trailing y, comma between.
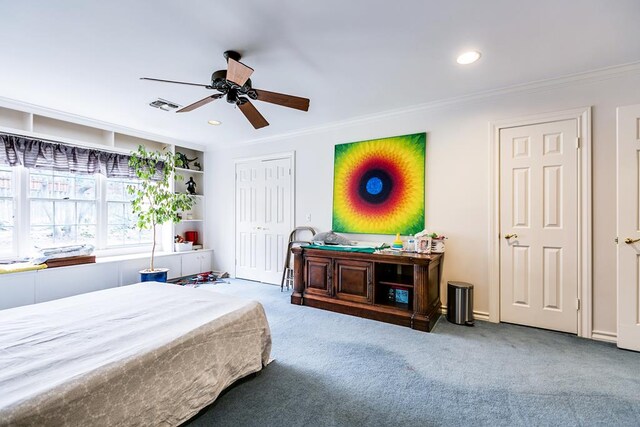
x: 337, y: 370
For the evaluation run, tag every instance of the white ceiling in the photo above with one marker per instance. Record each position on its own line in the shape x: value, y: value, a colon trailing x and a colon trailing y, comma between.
x: 351, y: 58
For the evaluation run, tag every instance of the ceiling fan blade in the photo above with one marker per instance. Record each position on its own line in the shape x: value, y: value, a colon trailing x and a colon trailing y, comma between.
x: 173, y: 81
x: 281, y: 99
x: 253, y: 115
x: 237, y: 72
x: 200, y: 103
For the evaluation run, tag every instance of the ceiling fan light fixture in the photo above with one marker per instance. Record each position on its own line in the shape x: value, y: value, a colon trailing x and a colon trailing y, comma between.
x: 467, y: 58
x: 235, y: 85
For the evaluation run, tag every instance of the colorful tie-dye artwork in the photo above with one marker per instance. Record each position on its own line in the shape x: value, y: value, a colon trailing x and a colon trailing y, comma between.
x: 378, y: 185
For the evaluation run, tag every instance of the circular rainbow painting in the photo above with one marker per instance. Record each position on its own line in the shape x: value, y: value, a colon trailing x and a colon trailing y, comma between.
x: 378, y: 185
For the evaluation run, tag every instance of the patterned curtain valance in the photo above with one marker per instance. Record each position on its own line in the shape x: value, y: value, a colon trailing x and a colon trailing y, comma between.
x: 37, y: 154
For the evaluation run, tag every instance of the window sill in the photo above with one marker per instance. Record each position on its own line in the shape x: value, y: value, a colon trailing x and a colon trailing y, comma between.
x: 145, y: 255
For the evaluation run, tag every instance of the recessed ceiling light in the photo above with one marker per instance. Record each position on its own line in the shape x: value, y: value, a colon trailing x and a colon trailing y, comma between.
x: 468, y: 57
x: 214, y: 122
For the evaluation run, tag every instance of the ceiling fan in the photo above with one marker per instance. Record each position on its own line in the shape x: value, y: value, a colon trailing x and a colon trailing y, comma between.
x: 235, y: 84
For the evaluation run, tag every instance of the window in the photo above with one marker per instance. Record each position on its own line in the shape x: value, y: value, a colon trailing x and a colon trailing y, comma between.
x: 7, y: 204
x: 121, y: 223
x: 74, y: 204
x: 62, y: 208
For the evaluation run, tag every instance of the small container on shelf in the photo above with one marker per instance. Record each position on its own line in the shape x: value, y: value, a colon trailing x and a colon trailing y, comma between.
x: 191, y: 236
x: 437, y: 245
x: 183, y: 246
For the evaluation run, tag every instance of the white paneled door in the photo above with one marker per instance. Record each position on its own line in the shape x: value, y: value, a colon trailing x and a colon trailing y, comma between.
x: 629, y: 227
x: 263, y: 218
x: 539, y: 225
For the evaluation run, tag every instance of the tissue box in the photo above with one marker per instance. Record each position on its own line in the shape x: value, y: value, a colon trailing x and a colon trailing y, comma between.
x: 183, y: 247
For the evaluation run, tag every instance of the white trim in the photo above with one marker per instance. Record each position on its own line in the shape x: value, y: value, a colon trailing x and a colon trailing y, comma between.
x: 583, y: 117
x: 32, y: 109
x: 291, y: 155
x: 272, y: 156
x: 525, y: 88
x: 605, y: 336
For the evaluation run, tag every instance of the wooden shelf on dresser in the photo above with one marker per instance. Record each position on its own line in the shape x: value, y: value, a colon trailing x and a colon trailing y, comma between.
x: 365, y: 285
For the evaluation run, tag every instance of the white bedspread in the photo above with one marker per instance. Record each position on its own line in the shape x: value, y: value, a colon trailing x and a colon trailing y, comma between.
x: 144, y: 354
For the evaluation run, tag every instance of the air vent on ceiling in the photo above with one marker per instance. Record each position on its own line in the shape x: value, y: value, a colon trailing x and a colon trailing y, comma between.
x: 165, y: 105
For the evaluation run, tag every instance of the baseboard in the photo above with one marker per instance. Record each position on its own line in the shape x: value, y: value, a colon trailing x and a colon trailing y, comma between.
x: 611, y: 337
x: 605, y: 336
x: 477, y: 315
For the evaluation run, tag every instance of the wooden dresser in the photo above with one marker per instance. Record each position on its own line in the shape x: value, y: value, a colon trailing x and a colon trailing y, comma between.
x: 374, y: 286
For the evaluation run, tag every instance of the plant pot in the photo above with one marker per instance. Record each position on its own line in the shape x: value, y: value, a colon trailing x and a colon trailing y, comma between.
x: 157, y: 275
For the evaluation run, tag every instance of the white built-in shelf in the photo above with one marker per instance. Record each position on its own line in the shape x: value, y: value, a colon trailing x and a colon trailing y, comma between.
x: 185, y: 170
x: 197, y: 212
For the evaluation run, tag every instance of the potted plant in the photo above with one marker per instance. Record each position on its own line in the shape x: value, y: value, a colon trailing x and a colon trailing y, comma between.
x: 154, y: 200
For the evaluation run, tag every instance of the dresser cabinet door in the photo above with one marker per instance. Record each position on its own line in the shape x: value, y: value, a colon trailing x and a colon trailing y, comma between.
x: 318, y: 276
x: 354, y: 280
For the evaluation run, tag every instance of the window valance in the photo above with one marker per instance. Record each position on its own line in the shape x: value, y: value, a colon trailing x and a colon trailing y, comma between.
x: 38, y: 154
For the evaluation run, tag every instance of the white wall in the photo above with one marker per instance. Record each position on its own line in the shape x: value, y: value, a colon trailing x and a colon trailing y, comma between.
x: 457, y: 174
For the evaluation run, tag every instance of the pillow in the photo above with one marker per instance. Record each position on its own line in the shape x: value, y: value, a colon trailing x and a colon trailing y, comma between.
x: 331, y: 238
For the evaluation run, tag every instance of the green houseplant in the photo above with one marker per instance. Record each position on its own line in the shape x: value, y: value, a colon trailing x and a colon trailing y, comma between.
x: 154, y: 200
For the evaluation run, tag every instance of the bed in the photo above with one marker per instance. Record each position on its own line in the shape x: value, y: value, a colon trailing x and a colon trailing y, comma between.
x: 143, y: 354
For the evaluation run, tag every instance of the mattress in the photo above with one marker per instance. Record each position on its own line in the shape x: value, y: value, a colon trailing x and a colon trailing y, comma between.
x: 143, y: 354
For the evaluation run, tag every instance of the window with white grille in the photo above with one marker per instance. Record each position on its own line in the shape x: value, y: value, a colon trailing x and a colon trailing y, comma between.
x: 7, y: 210
x: 62, y: 208
x: 121, y: 222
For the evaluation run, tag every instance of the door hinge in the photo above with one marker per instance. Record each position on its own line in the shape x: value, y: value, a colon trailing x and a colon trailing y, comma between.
x: 578, y: 142
x: 578, y: 304
x: 616, y: 240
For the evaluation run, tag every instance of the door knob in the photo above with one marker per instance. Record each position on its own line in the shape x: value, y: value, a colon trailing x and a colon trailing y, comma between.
x: 509, y: 236
x: 629, y: 240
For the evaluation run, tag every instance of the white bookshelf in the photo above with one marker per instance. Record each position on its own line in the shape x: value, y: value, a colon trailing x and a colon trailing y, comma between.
x: 193, y: 220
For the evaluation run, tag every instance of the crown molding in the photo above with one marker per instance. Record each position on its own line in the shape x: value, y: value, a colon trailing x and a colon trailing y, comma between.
x: 531, y: 87
x: 99, y: 124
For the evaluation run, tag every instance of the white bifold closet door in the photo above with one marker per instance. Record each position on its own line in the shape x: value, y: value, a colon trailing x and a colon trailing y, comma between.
x: 629, y: 227
x: 263, y: 218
